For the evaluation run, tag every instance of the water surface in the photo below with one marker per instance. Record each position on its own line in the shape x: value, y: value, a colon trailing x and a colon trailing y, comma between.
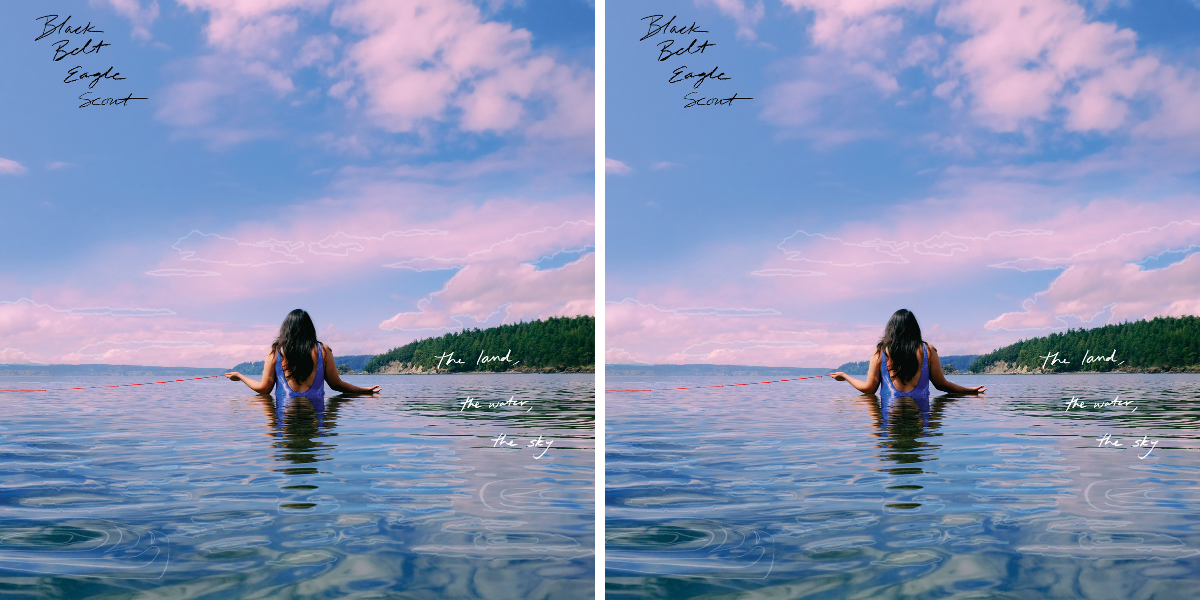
x: 808, y: 489
x: 203, y: 489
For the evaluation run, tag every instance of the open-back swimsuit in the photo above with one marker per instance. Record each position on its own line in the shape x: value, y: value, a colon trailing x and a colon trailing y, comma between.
x: 316, y: 391
x: 922, y: 389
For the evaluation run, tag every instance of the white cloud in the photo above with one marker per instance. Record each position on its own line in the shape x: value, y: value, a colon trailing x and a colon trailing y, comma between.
x: 141, y: 18
x: 701, y: 311
x: 11, y: 167
x: 745, y: 14
x: 181, y: 273
x: 1008, y: 64
x: 218, y: 249
x: 613, y: 166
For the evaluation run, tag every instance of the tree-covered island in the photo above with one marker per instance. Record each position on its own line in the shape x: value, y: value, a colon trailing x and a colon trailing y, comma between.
x: 555, y: 345
x: 1160, y: 345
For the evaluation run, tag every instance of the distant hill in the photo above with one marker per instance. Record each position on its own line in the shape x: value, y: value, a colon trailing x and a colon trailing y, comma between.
x: 960, y: 362
x: 354, y: 362
x: 557, y: 344
x: 28, y: 370
x: 855, y: 368
x: 619, y: 370
x: 1162, y: 344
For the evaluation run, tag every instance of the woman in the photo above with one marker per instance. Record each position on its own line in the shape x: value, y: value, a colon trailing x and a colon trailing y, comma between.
x: 904, y: 363
x: 299, y: 363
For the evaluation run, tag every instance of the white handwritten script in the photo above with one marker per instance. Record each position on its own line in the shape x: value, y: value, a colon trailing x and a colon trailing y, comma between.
x: 1145, y: 442
x: 503, y: 440
x: 1107, y: 440
x: 448, y: 359
x: 1088, y: 358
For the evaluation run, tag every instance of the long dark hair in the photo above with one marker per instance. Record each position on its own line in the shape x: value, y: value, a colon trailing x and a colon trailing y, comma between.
x: 902, y: 339
x: 297, y: 338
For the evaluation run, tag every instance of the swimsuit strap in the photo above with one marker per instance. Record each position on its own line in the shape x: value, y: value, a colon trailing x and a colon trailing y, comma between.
x: 318, y: 383
x: 279, y: 375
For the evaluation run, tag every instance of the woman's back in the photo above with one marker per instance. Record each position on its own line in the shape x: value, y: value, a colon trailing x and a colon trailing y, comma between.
x: 296, y: 335
x: 918, y: 385
x: 312, y: 387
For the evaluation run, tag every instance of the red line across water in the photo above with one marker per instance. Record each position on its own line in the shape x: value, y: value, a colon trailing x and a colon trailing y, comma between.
x: 96, y: 387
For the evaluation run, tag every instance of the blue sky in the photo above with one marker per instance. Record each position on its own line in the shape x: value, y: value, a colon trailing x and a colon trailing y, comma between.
x: 292, y: 121
x: 1057, y: 136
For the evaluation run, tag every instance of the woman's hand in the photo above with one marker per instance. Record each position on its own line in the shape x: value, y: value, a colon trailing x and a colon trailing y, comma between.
x: 233, y: 376
x: 840, y: 376
x: 373, y: 389
x: 979, y: 389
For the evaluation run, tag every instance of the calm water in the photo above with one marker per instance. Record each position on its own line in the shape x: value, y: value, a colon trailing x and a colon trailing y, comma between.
x: 808, y: 490
x: 204, y: 490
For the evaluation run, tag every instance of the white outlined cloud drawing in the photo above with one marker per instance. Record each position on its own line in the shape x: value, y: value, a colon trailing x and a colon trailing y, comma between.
x: 95, y: 311
x: 218, y: 249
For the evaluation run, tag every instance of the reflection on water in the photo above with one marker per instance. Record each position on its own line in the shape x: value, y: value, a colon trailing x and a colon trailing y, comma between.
x: 216, y: 493
x: 814, y: 491
x: 302, y: 426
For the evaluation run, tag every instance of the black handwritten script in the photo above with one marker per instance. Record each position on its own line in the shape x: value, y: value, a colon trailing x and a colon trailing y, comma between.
x: 678, y: 41
x: 80, y: 42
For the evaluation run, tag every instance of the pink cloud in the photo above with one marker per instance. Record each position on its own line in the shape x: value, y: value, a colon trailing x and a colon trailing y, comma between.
x: 404, y: 64
x: 1103, y: 281
x: 640, y: 332
x: 1015, y: 63
x: 473, y: 296
x: 613, y: 166
x: 858, y: 28
x: 328, y: 242
x: 14, y: 356
x: 11, y: 167
x: 497, y: 278
x: 49, y: 334
x: 147, y: 312
x: 908, y: 250
x: 1022, y: 59
x: 745, y: 14
x: 140, y: 18
x: 419, y: 59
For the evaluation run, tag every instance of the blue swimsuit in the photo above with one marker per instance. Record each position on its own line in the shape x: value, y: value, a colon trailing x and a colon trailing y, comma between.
x: 922, y: 389
x: 316, y: 391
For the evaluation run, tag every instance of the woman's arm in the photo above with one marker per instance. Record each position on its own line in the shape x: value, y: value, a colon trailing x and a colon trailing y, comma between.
x: 335, y: 380
x: 871, y: 384
x: 938, y: 378
x: 266, y: 384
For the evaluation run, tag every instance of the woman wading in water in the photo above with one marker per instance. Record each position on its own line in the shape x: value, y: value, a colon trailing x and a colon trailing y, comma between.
x: 299, y: 365
x: 904, y: 364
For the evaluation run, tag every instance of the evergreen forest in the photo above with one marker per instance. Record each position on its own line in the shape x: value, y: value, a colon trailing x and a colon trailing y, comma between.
x: 555, y: 344
x: 1160, y: 344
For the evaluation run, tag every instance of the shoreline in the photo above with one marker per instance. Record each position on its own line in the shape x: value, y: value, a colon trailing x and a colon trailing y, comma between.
x: 393, y: 369
x: 1004, y: 368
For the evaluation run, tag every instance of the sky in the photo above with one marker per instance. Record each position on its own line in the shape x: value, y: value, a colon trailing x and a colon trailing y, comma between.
x: 1003, y: 169
x: 398, y: 168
